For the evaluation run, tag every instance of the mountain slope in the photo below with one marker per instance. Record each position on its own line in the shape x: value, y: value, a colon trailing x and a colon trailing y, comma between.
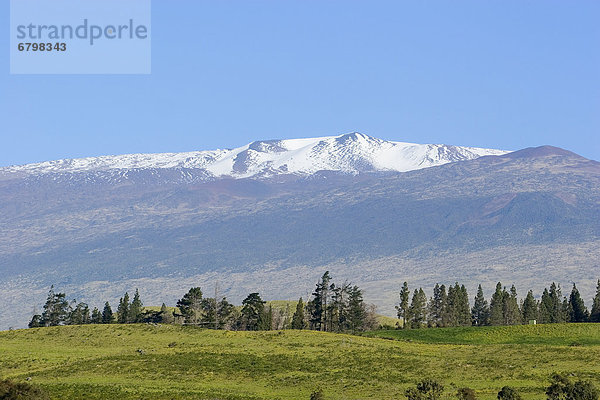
x: 528, y: 217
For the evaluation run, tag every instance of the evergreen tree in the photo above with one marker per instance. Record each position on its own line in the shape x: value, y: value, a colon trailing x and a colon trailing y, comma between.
x: 558, y: 312
x: 449, y: 312
x: 253, y: 312
x: 545, y: 308
x: 96, y: 316
x: 418, y: 309
x: 136, y: 308
x: 480, y: 312
x: 215, y: 315
x: 337, y: 308
x: 356, y: 309
x: 463, y: 309
x: 578, y: 312
x: 107, y: 314
x: 403, y: 307
x: 567, y: 311
x: 190, y: 306
x: 530, y: 308
x: 436, y: 306
x: 318, y: 305
x: 123, y: 309
x: 445, y: 317
x: 80, y: 315
x: 299, y: 320
x: 36, y: 321
x: 266, y: 321
x: 510, y: 306
x: 56, y: 309
x: 595, y: 314
x: 496, y: 306
x: 209, y: 318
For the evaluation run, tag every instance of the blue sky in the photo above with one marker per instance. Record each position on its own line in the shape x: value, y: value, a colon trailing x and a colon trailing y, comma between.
x: 499, y: 74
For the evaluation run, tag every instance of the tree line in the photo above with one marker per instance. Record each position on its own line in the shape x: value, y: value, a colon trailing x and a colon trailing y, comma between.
x: 333, y: 308
x: 450, y: 307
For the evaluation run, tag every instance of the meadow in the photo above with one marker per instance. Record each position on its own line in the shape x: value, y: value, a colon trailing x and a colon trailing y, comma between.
x: 177, y: 362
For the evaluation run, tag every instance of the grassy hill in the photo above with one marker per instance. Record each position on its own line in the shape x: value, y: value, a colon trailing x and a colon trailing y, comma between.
x: 550, y: 334
x: 175, y: 362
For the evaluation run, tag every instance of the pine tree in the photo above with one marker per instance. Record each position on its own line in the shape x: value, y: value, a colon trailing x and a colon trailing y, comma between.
x: 595, y: 314
x: 545, y: 308
x: 208, y: 317
x: 266, y: 320
x: 578, y: 312
x: 215, y: 315
x: 403, y: 307
x: 80, y: 315
x: 96, y: 316
x: 136, y: 309
x: 480, y: 312
x: 558, y: 311
x: 445, y: 318
x: 496, y: 306
x: 56, y: 309
x: 123, y: 309
x: 450, y: 318
x: 36, y: 321
x: 318, y: 305
x: 190, y: 306
x: 356, y: 309
x: 510, y: 305
x: 418, y: 309
x: 253, y: 312
x: 224, y: 313
x: 107, y: 314
x: 299, y: 320
x: 337, y: 308
x: 463, y: 309
x: 530, y: 308
x: 436, y: 306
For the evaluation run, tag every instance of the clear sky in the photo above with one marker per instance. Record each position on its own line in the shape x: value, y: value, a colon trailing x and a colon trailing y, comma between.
x: 499, y: 74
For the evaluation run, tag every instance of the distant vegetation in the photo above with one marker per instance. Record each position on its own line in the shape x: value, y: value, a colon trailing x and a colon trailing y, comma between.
x: 335, y: 308
x: 451, y: 308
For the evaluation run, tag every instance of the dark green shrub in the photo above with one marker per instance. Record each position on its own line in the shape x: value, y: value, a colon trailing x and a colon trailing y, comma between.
x: 508, y: 393
x: 10, y: 390
x: 466, y: 394
x: 427, y: 389
x: 317, y: 395
x: 413, y: 394
x: 561, y: 388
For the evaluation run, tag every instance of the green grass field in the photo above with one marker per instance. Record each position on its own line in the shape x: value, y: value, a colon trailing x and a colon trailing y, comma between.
x: 174, y: 362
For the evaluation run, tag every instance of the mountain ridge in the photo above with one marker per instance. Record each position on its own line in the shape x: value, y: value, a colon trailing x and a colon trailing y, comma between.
x: 350, y: 153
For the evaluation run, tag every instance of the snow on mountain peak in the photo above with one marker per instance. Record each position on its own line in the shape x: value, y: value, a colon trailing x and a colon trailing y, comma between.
x: 350, y: 153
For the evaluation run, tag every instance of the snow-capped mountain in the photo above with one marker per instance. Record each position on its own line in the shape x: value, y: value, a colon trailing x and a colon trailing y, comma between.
x: 349, y: 153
